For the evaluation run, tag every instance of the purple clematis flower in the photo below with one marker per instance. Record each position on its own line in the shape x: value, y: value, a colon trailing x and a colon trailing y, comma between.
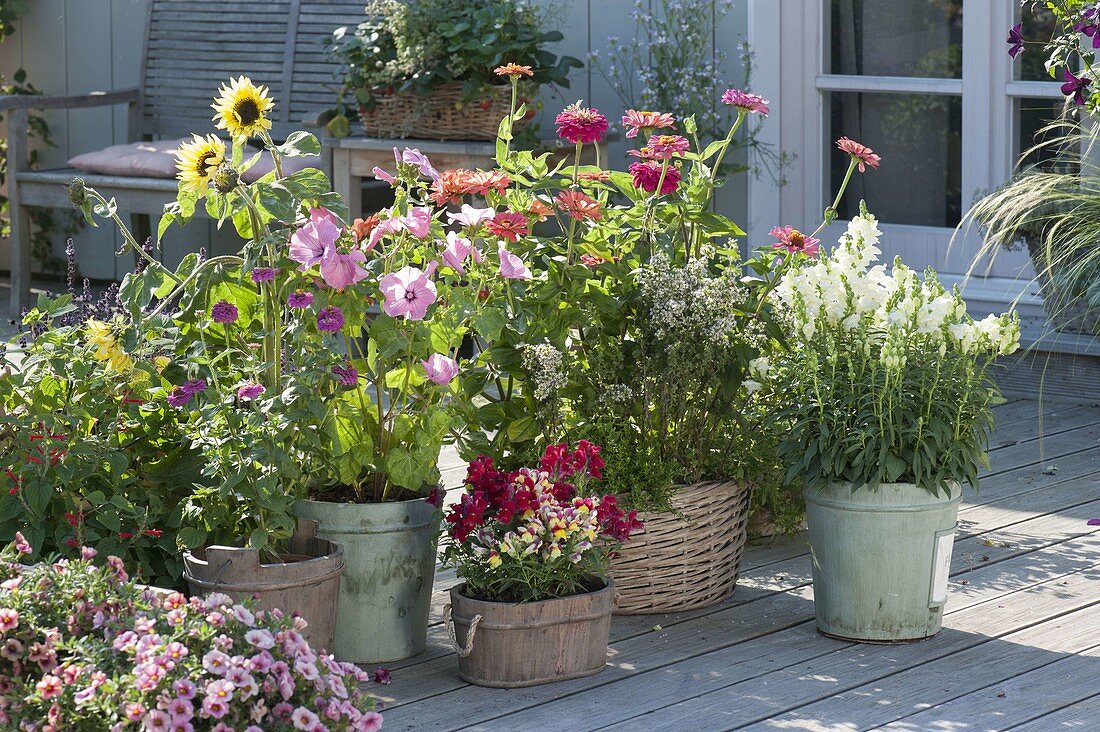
x: 441, y: 369
x: 408, y: 293
x: 1015, y: 41
x: 1075, y: 86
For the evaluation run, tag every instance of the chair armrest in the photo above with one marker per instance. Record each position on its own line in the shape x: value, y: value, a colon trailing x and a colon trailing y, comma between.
x: 94, y: 99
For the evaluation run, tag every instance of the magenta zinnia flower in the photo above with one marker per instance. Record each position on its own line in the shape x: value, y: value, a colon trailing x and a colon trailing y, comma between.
x: 308, y: 244
x: 509, y: 225
x: 665, y: 147
x: 408, y: 292
x: 224, y: 312
x: 248, y: 392
x: 859, y: 152
x: 440, y: 369
x: 346, y: 375
x: 635, y: 122
x: 330, y: 319
x: 747, y: 101
x: 794, y: 241
x: 511, y: 266
x: 300, y: 299
x: 263, y: 274
x: 646, y: 176
x: 182, y: 395
x: 579, y: 124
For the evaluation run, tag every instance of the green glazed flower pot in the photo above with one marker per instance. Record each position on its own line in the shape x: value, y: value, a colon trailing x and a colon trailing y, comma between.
x: 386, y: 592
x: 881, y: 560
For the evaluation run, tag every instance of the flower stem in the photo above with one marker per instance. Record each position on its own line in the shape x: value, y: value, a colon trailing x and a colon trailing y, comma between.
x: 830, y: 213
x: 722, y: 154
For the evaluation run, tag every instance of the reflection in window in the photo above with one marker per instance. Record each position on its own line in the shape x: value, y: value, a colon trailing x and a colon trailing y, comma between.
x: 1037, y: 26
x: 919, y: 38
x: 1051, y: 142
x: 919, y: 137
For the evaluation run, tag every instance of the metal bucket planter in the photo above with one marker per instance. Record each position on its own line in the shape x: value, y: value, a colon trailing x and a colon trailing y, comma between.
x: 306, y: 582
x: 881, y: 560
x: 386, y: 595
x: 508, y: 645
x: 687, y: 558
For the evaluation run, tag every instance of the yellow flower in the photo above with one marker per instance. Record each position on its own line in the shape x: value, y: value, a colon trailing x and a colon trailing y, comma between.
x: 494, y: 560
x: 198, y: 161
x: 99, y: 333
x: 242, y: 108
x: 103, y: 338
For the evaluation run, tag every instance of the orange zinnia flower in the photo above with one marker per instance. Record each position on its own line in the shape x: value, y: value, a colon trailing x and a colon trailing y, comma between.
x: 539, y: 209
x: 513, y: 70
x: 579, y: 205
x: 451, y: 186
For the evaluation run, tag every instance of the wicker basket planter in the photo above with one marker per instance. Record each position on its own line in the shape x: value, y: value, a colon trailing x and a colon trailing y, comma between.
x: 688, y: 558
x: 509, y: 645
x: 442, y: 115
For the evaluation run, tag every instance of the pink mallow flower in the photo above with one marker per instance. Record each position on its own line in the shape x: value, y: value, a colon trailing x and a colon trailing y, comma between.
x: 408, y: 292
x: 441, y: 369
x: 794, y: 241
x: 418, y: 222
x: 511, y: 266
x: 309, y: 243
x: 455, y: 252
x: 339, y: 269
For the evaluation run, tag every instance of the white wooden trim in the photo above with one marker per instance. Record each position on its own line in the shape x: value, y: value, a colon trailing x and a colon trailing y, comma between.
x: 1034, y: 89
x: 889, y: 84
x: 764, y: 35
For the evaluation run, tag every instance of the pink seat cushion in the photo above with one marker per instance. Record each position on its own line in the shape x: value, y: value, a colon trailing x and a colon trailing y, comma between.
x: 157, y: 159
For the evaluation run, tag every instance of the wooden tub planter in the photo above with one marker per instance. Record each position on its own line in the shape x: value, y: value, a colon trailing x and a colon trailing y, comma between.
x: 509, y: 645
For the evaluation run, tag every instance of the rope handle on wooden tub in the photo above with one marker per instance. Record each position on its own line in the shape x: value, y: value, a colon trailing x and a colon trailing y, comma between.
x: 448, y: 620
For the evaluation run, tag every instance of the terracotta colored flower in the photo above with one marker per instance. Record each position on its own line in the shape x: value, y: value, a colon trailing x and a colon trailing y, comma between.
x: 646, y: 176
x: 509, y: 225
x: 361, y: 228
x: 647, y: 122
x: 747, y: 101
x: 794, y: 241
x: 539, y: 209
x: 579, y: 124
x: 596, y: 175
x: 591, y: 261
x: 451, y: 186
x: 580, y: 206
x: 865, y: 155
x: 483, y: 181
x: 513, y: 70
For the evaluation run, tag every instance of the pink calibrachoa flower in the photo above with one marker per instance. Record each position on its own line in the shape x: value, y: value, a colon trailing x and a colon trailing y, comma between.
x: 581, y: 125
x: 859, y: 152
x: 308, y: 243
x: 248, y: 392
x: 747, y: 101
x: 509, y: 225
x: 794, y: 241
x: 9, y: 619
x: 469, y: 216
x: 635, y: 122
x: 340, y: 270
x: 455, y: 251
x: 370, y: 722
x: 21, y: 544
x: 408, y: 293
x: 665, y: 147
x: 511, y: 266
x: 647, y: 174
x: 441, y: 369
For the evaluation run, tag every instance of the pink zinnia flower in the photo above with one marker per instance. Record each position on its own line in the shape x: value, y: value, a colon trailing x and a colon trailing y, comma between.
x: 21, y: 544
x: 646, y: 175
x: 308, y: 243
x: 665, y: 147
x: 859, y: 152
x: 794, y: 241
x: 470, y: 216
x: 408, y: 292
x: 441, y: 369
x: 511, y: 266
x: 747, y: 101
x: 510, y: 225
x: 455, y: 252
x: 580, y: 125
x: 646, y: 122
x: 248, y: 392
x: 339, y: 270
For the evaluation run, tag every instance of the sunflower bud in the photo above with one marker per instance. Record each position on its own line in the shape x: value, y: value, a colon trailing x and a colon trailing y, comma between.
x: 226, y: 178
x: 77, y: 193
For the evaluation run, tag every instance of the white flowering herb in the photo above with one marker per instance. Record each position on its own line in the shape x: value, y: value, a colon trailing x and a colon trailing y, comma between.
x: 886, y: 378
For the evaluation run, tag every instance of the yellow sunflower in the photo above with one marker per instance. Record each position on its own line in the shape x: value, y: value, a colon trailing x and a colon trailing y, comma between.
x: 198, y: 161
x: 242, y: 108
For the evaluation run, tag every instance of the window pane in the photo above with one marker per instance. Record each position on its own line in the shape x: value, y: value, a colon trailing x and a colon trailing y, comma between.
x: 1034, y: 118
x: 919, y: 137
x: 890, y: 38
x: 1037, y: 26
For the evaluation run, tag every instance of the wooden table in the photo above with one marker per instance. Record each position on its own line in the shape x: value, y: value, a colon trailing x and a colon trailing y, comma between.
x: 355, y: 158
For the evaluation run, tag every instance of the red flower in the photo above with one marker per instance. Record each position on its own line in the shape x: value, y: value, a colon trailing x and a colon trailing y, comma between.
x: 509, y: 225
x: 155, y: 533
x: 589, y: 260
x: 581, y: 125
x: 361, y: 228
x: 859, y: 152
x: 646, y: 176
x: 580, y: 206
x: 125, y: 535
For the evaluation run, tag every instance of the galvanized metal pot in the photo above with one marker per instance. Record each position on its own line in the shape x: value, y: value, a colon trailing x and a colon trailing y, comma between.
x: 514, y: 644
x: 881, y: 560
x: 306, y: 582
x: 386, y: 595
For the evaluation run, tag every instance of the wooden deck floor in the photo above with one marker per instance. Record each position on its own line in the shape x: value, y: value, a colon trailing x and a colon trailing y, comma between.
x: 1020, y: 649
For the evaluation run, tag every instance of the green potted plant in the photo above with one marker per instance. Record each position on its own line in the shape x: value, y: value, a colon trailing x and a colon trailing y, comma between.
x: 885, y: 383
x: 425, y: 68
x: 532, y: 546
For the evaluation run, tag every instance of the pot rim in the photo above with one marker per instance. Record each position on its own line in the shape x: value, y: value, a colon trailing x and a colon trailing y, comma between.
x: 336, y: 552
x: 608, y: 588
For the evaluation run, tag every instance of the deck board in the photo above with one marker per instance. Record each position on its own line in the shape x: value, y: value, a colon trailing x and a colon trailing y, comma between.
x: 1019, y: 648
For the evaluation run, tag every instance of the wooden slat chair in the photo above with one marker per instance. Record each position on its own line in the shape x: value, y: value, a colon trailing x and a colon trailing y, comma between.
x: 191, y: 47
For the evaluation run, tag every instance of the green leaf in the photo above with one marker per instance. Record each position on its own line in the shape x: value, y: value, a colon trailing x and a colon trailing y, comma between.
x: 339, y: 126
x: 190, y: 537
x: 300, y: 144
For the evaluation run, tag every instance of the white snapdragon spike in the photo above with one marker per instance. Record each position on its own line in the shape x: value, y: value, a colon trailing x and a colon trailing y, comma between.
x: 759, y: 367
